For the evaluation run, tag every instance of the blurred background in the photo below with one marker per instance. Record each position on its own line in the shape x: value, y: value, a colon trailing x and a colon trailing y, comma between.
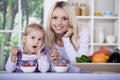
x: 14, y: 16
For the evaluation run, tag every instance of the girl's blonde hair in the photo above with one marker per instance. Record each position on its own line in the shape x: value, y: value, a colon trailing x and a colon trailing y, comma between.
x: 50, y: 36
x: 32, y: 26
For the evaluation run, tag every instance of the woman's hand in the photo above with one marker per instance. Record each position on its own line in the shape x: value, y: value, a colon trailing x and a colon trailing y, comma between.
x: 54, y: 56
x: 68, y: 33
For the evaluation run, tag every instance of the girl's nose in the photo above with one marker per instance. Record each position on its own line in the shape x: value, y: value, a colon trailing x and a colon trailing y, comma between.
x: 36, y: 41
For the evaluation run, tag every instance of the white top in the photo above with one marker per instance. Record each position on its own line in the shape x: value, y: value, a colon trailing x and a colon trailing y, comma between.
x: 83, y: 48
x: 43, y: 64
x: 68, y: 53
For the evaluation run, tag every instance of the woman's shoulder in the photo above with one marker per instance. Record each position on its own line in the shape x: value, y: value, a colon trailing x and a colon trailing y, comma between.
x: 84, y: 31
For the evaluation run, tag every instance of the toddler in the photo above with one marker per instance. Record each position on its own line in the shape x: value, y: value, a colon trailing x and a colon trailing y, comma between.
x: 31, y: 50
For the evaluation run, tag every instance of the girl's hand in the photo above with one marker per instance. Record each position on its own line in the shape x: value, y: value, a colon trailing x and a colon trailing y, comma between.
x: 55, y: 57
x: 14, y: 50
x: 39, y: 52
x: 69, y: 33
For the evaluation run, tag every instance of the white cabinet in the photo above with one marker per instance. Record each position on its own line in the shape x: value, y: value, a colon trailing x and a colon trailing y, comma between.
x: 109, y: 23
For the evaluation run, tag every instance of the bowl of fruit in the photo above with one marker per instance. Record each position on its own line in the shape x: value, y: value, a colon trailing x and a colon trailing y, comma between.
x: 28, y: 65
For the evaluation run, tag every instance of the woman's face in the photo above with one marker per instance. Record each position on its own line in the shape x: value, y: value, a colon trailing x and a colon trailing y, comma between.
x: 59, y: 21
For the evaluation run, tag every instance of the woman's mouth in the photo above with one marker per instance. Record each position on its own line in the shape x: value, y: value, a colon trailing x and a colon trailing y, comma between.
x: 58, y: 28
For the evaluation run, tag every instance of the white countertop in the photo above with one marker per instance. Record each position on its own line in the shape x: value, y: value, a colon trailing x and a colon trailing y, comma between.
x: 59, y: 76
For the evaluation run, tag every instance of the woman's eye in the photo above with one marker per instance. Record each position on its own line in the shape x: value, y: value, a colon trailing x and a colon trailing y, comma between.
x: 65, y: 18
x: 54, y: 17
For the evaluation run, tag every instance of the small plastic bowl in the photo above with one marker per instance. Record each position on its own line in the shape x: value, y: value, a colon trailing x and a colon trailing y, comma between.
x: 61, y: 68
x: 28, y: 69
x: 28, y: 66
x: 107, y: 13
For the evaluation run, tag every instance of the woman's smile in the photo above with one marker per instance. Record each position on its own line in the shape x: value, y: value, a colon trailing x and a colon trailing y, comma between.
x: 59, y: 27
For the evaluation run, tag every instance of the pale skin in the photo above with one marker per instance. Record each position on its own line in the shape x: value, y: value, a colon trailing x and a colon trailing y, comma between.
x: 14, y: 54
x: 54, y: 56
x: 60, y: 25
x: 33, y: 43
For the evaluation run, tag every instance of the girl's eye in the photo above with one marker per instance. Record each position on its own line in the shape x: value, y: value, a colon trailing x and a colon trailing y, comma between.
x: 33, y: 37
x: 39, y: 39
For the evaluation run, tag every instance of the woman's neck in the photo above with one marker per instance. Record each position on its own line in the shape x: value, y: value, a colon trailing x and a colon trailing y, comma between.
x: 59, y: 41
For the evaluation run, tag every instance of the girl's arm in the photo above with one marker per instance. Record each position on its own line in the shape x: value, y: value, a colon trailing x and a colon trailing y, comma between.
x: 12, y: 60
x: 10, y: 65
x: 43, y: 63
x: 83, y: 48
x: 42, y: 59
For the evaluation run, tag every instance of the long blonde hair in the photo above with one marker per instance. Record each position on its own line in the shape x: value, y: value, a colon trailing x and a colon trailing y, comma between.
x: 50, y: 36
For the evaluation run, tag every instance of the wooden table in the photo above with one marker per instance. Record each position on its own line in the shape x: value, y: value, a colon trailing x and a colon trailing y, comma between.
x: 59, y: 76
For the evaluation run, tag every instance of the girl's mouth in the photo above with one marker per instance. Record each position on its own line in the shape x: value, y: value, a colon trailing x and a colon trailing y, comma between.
x: 55, y: 59
x: 34, y: 47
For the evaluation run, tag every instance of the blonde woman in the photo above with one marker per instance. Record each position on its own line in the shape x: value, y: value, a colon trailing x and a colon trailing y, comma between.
x: 64, y: 36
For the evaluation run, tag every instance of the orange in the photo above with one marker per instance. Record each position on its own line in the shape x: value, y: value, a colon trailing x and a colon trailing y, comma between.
x: 100, y: 58
x: 107, y: 56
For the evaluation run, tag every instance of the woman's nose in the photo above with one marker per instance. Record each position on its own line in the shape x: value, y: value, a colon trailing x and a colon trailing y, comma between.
x: 59, y: 21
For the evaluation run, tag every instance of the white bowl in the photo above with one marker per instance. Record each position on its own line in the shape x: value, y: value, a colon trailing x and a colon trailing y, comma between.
x: 60, y: 68
x: 28, y: 68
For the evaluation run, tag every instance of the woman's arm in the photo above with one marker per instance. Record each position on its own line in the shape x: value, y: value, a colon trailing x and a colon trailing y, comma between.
x: 83, y: 48
x: 84, y: 43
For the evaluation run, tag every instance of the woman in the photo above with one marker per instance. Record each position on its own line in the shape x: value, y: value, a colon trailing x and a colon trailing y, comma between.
x: 64, y: 36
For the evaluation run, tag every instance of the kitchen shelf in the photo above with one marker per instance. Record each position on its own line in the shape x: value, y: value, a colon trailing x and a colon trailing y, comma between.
x: 84, y: 17
x: 110, y: 24
x: 106, y: 44
x: 107, y: 18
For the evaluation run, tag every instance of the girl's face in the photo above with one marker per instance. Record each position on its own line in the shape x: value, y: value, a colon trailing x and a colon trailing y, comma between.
x: 33, y: 41
x: 59, y: 21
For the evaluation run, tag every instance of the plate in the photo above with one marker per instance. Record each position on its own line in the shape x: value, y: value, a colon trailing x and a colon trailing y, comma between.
x: 99, y: 67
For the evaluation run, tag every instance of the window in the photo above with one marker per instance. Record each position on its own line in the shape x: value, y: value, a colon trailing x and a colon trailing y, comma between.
x: 14, y: 16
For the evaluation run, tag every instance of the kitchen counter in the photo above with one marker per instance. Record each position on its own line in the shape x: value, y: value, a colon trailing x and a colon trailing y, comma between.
x: 59, y: 76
